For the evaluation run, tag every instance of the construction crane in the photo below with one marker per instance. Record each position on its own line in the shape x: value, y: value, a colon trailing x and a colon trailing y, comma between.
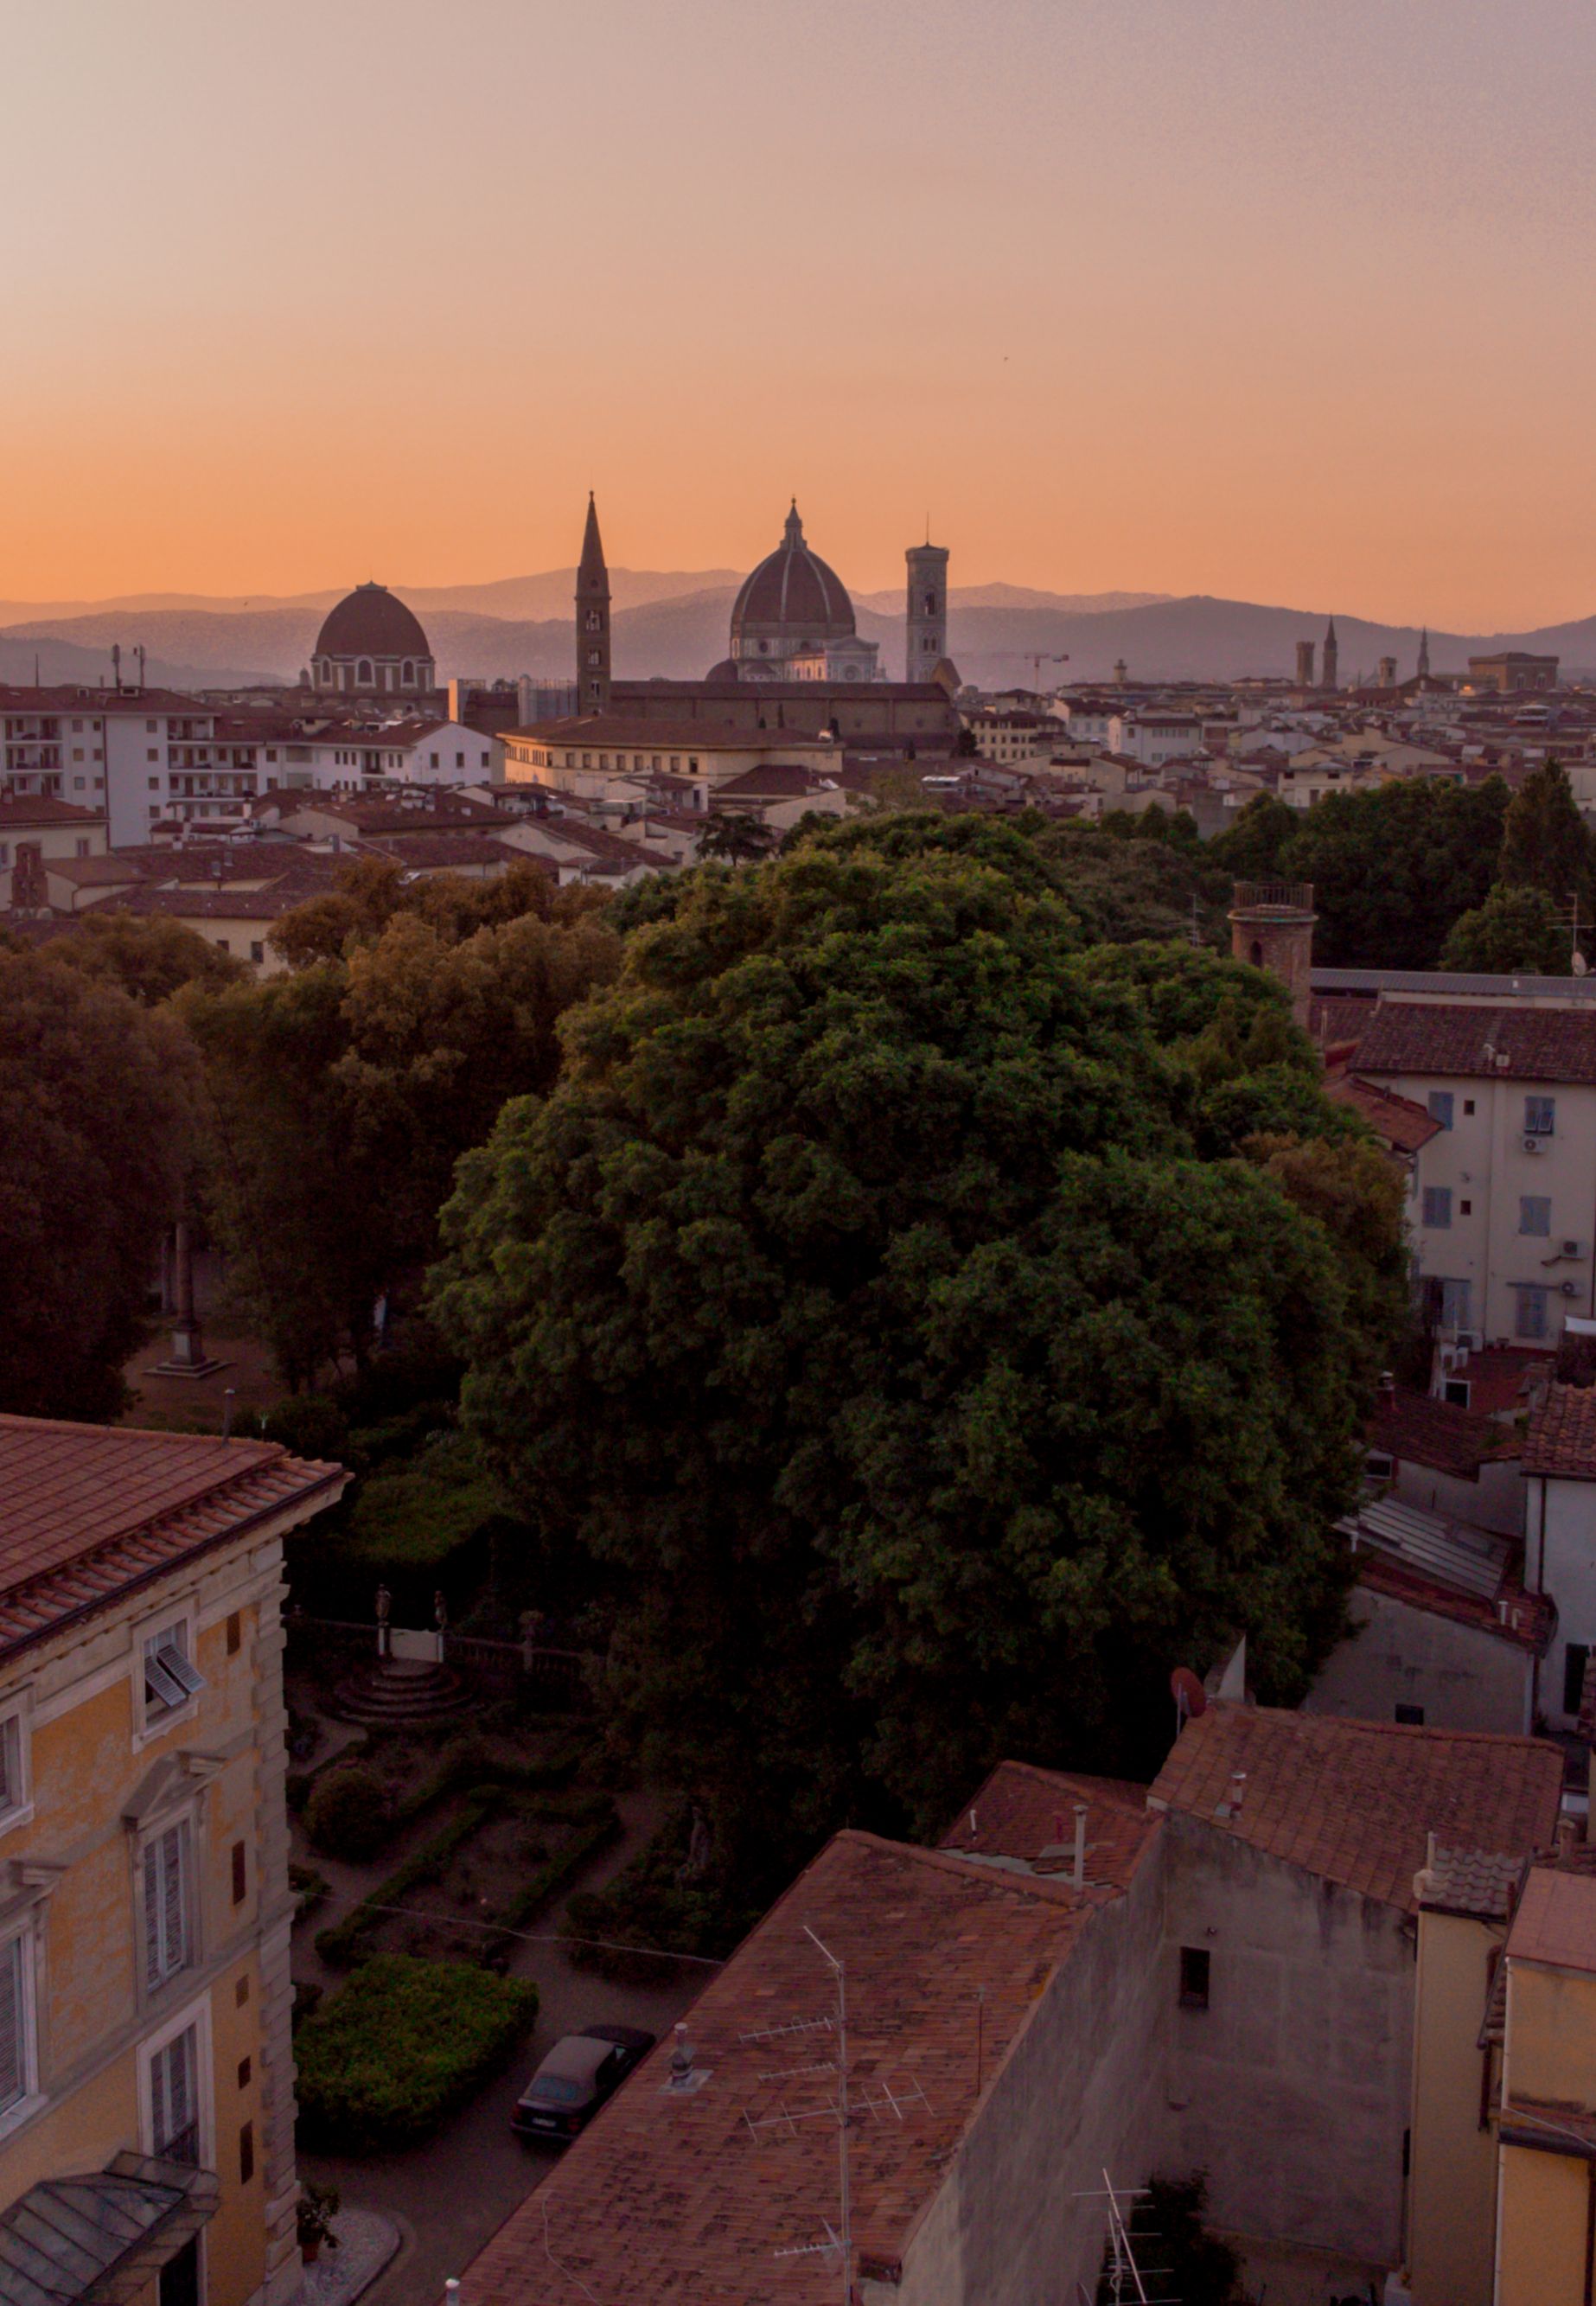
x: 1038, y: 660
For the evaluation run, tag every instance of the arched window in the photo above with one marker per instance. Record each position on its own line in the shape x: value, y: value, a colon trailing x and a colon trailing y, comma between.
x: 594, y: 621
x: 1256, y: 954
x: 408, y: 674
x: 595, y: 656
x: 363, y: 673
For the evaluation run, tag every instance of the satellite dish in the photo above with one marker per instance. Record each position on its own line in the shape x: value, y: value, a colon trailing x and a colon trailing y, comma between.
x: 1191, y: 1698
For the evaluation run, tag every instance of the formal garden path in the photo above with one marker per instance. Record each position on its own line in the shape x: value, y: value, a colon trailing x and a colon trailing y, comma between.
x: 450, y: 2193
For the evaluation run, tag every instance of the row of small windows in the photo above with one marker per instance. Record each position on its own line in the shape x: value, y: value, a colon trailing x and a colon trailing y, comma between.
x: 1540, y: 1113
x: 337, y: 672
x: 640, y: 763
x: 1534, y: 1211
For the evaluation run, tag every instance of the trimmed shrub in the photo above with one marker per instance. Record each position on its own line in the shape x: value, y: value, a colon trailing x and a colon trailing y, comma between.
x: 344, y: 1941
x: 347, y: 1815
x: 400, y: 2047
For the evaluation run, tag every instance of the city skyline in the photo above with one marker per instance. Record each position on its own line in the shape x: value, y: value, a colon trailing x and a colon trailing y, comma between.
x: 1124, y: 298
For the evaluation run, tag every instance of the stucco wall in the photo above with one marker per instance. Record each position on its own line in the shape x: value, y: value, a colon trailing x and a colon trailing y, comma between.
x: 1463, y: 1677
x: 1020, y: 2218
x: 1293, y: 2087
x: 1564, y: 1551
x: 1451, y: 2218
x: 96, y: 2019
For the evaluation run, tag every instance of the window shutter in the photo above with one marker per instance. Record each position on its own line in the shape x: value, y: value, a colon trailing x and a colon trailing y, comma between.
x: 10, y: 1763
x: 152, y: 1914
x: 13, y: 2078
x: 174, y: 1935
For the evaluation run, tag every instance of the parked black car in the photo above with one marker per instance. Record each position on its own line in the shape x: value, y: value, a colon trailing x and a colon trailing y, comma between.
x: 578, y: 2074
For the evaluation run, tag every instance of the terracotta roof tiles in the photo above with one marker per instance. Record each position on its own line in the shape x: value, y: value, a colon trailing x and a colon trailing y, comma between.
x: 1562, y: 1436
x: 1356, y: 1802
x: 88, y: 1510
x: 1028, y: 1814
x: 675, y: 2197
x: 1556, y: 1920
x: 1475, y: 1038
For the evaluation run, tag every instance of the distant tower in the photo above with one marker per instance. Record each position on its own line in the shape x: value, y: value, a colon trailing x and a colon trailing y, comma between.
x: 1387, y: 676
x: 1424, y: 654
x: 1304, y: 664
x: 1330, y: 656
x: 1121, y: 672
x: 925, y: 642
x: 593, y: 620
x: 1271, y: 926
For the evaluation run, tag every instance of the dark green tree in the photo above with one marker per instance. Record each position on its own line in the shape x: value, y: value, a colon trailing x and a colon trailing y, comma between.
x: 885, y: 1310
x: 1545, y: 843
x: 735, y: 840
x: 147, y: 956
x: 96, y: 1095
x: 1516, y: 929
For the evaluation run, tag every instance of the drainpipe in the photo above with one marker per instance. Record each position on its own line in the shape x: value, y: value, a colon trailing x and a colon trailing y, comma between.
x: 1080, y: 1845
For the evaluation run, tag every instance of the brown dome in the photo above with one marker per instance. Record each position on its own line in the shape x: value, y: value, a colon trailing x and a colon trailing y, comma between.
x: 792, y: 595
x: 371, y: 622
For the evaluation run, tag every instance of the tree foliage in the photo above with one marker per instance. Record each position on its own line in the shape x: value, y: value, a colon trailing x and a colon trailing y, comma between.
x: 1516, y: 929
x: 1545, y: 843
x: 342, y: 1093
x: 886, y: 1311
x: 373, y: 891
x: 96, y: 1095
x: 149, y: 957
x: 1392, y: 867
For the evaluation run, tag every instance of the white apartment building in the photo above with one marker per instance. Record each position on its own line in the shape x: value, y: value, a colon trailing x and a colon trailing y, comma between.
x: 1505, y: 1194
x: 1155, y: 737
x: 149, y: 757
x: 1008, y: 736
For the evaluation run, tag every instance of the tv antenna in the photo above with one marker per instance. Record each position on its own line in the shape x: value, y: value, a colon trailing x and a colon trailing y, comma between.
x: 836, y: 2107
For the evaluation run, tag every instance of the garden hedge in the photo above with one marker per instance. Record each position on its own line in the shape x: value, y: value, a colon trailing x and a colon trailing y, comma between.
x: 387, y: 2057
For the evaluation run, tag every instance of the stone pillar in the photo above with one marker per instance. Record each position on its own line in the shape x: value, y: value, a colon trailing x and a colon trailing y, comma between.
x: 1271, y: 926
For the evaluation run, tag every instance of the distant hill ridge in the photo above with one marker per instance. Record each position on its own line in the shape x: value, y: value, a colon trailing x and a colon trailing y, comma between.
x: 673, y: 625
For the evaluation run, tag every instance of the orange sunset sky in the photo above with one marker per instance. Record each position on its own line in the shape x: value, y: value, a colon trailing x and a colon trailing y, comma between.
x: 1248, y: 297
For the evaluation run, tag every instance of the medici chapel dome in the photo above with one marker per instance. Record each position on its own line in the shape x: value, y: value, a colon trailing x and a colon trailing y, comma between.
x: 372, y: 644
x: 792, y: 600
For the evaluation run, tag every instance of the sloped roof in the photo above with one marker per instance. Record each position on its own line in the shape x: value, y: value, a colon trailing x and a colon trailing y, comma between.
x: 86, y: 1511
x: 1561, y: 1440
x: 1024, y: 1812
x: 1556, y: 1919
x: 1419, y: 1430
x: 1478, y: 1038
x: 1356, y: 1802
x: 1403, y: 1125
x: 674, y: 2199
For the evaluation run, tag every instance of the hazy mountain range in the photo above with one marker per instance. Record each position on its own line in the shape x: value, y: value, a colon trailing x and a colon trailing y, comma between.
x: 674, y: 624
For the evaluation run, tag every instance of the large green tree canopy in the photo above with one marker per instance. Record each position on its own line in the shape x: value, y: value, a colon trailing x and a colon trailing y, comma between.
x: 911, y: 1317
x: 96, y: 1095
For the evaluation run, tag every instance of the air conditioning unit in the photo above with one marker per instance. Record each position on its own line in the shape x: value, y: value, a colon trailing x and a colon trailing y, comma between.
x: 1569, y: 1288
x: 1574, y: 1249
x: 1531, y: 1144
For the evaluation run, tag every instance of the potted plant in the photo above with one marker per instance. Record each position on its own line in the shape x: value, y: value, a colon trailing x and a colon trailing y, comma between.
x: 317, y: 2207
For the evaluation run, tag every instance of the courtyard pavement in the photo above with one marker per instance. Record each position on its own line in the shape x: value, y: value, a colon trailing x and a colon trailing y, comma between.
x: 449, y: 2194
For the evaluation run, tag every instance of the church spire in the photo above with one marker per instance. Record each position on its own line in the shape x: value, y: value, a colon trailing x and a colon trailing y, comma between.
x: 593, y: 619
x: 1424, y: 652
x: 1329, y: 657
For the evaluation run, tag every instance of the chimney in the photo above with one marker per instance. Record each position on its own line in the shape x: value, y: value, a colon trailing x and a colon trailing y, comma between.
x: 1080, y: 1845
x: 1238, y: 1787
x: 681, y: 2058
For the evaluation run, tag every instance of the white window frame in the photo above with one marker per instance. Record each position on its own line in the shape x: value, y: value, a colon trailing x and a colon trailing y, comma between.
x: 155, y: 1721
x: 19, y: 1710
x: 185, y: 1827
x: 24, y: 1935
x: 197, y: 2014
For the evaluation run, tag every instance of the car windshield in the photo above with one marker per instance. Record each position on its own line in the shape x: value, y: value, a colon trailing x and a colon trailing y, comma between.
x: 557, y: 2090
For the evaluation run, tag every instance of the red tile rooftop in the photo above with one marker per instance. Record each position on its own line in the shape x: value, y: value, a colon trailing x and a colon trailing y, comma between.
x: 674, y: 2199
x: 1356, y: 1802
x: 1477, y: 1039
x: 1556, y: 1920
x: 86, y: 1511
x: 1416, y: 1430
x: 1561, y: 1441
x: 1022, y: 1811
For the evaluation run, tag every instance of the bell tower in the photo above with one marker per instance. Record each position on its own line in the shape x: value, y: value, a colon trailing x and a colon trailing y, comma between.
x: 593, y: 620
x: 926, y: 636
x: 1330, y: 659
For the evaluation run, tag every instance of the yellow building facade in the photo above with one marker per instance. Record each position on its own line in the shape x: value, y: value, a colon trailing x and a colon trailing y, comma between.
x: 1546, y: 2198
x: 146, y: 2067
